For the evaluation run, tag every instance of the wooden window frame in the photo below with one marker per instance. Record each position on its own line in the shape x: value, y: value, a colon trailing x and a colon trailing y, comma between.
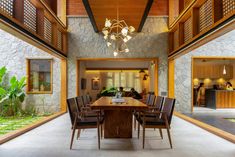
x: 28, y: 76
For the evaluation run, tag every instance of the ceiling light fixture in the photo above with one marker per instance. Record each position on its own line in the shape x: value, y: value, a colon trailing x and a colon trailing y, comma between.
x: 117, y: 33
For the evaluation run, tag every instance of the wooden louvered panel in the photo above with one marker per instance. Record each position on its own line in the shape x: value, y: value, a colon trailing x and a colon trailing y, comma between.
x: 188, y: 33
x: 205, y: 15
x: 30, y: 15
x: 7, y: 6
x: 228, y: 7
x: 47, y: 30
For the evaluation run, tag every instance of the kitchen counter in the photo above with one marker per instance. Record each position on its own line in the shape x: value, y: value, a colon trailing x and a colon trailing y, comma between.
x: 220, y: 98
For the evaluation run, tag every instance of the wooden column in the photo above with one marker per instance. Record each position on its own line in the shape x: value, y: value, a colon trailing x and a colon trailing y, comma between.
x: 54, y: 34
x: 18, y: 10
x: 64, y: 88
x: 40, y: 22
x: 156, y: 77
x: 195, y: 16
x: 171, y: 78
x: 77, y: 78
x: 181, y: 33
x: 217, y: 10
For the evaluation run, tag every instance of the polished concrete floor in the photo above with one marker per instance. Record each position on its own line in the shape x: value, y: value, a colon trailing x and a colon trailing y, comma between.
x: 217, y: 118
x: 52, y: 140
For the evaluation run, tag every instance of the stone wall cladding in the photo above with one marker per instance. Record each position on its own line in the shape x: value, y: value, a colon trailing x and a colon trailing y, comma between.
x: 222, y: 46
x: 13, y: 54
x: 85, y: 43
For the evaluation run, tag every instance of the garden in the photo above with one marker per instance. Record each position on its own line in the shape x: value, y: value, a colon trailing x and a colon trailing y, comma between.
x: 13, y: 115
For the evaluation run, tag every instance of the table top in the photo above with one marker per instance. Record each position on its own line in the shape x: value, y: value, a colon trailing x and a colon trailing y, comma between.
x: 105, y: 103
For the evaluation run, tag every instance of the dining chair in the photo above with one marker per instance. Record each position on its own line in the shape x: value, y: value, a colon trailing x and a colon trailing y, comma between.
x: 79, y: 121
x: 161, y: 120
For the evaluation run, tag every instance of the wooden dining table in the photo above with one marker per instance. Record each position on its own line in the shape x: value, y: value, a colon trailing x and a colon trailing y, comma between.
x: 118, y: 116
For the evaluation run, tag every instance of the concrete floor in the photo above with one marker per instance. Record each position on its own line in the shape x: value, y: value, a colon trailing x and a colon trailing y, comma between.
x: 52, y: 140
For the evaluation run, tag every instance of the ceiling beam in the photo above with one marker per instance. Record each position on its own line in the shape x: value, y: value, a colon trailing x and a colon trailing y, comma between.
x: 90, y: 14
x: 146, y: 12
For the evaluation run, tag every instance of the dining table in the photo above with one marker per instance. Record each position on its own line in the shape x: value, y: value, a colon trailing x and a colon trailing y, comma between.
x: 118, y: 115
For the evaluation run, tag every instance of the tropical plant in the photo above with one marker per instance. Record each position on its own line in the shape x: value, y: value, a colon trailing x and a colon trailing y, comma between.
x: 14, y: 96
x: 11, y: 97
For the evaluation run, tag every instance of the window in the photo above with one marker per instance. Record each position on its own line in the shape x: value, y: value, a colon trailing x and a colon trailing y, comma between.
x: 39, y: 76
x: 127, y: 80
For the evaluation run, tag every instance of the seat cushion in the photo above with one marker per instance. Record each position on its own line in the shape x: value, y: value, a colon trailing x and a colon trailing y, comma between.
x: 151, y: 121
x: 89, y: 121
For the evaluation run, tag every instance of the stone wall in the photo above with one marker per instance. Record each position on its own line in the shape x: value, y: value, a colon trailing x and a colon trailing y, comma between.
x: 222, y: 46
x: 13, y: 54
x: 85, y: 43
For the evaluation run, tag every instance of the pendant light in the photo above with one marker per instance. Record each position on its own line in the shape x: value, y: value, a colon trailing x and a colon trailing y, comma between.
x: 224, y: 69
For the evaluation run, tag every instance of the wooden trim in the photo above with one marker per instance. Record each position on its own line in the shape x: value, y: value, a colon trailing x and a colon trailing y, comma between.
x: 90, y: 14
x: 64, y: 85
x: 117, y: 59
x: 171, y: 78
x: 25, y: 129
x: 102, y: 68
x: 145, y: 15
x: 192, y: 76
x: 228, y: 136
x: 28, y: 77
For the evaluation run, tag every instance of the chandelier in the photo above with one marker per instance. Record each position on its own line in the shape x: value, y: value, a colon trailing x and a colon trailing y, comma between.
x: 117, y: 33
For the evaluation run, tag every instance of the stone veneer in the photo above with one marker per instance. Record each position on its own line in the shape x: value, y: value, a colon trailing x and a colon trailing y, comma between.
x: 85, y: 43
x: 13, y: 54
x: 222, y: 46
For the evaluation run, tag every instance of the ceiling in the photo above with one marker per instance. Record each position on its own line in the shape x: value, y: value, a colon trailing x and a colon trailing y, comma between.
x: 134, y: 12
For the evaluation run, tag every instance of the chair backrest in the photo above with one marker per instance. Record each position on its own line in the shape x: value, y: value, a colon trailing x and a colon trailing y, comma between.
x: 88, y: 98
x: 151, y: 100
x: 73, y: 110
x: 158, y: 102
x: 147, y: 98
x: 79, y: 103
x: 84, y: 99
x: 168, y: 108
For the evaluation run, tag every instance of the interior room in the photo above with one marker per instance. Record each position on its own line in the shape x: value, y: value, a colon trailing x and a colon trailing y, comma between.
x: 117, y: 78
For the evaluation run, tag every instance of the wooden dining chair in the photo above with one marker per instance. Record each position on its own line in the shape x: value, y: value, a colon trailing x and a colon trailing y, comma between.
x: 161, y: 120
x: 79, y: 121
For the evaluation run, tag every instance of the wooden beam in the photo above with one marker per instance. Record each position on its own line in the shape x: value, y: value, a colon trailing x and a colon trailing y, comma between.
x: 145, y: 15
x: 90, y: 14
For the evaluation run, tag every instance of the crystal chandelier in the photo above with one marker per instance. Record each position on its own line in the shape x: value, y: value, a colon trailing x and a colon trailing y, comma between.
x: 117, y: 33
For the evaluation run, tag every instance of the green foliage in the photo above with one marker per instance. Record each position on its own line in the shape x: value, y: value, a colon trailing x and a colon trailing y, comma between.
x: 11, y: 96
x: 3, y: 71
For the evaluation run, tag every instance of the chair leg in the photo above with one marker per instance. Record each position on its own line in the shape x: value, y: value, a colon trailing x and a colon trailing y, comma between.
x: 160, y: 130
x: 143, y: 136
x: 138, y: 134
x: 134, y: 123
x: 78, y: 135
x: 71, y: 143
x: 101, y: 131
x: 169, y: 136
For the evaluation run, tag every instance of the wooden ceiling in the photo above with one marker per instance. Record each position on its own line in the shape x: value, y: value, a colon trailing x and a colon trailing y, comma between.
x: 134, y: 12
